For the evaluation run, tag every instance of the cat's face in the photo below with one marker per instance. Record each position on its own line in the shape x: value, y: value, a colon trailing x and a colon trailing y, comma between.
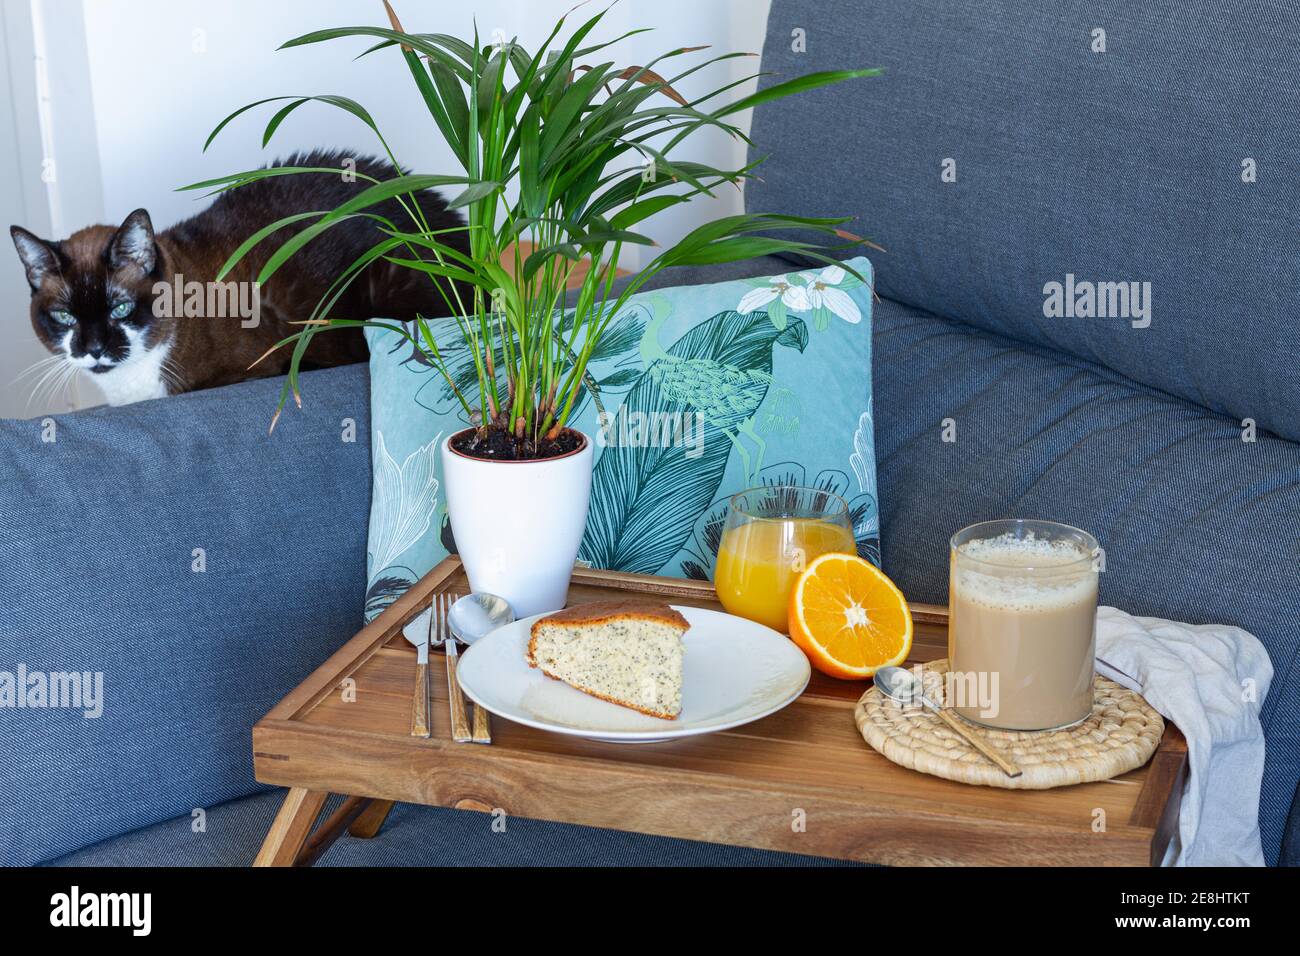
x: 92, y: 294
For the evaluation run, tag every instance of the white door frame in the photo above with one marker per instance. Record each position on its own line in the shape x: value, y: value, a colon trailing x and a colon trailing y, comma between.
x: 54, y: 112
x: 46, y: 100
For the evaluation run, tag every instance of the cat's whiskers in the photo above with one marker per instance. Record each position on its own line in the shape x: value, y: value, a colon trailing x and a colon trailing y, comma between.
x: 66, y: 388
x: 37, y: 367
x: 51, y: 375
x: 171, y: 376
x: 58, y: 393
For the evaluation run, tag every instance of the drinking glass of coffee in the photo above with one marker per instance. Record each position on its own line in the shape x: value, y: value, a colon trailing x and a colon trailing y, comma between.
x: 1022, y: 599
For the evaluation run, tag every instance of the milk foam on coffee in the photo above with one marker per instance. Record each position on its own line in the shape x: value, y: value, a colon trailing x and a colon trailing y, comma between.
x: 1023, y: 611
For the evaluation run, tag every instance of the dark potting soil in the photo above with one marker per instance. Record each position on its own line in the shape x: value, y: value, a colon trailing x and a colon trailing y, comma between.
x: 498, y: 444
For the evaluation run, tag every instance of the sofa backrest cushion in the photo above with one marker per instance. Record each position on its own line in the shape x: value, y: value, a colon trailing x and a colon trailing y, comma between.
x: 1167, y: 159
x: 202, y: 567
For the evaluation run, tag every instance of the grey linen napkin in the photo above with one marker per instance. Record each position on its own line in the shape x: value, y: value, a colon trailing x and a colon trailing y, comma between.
x: 1210, y: 680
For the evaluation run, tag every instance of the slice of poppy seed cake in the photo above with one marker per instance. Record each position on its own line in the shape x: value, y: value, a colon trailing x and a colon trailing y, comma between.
x: 626, y: 653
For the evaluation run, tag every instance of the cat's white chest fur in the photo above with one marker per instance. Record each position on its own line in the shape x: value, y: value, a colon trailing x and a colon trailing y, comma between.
x: 137, y: 379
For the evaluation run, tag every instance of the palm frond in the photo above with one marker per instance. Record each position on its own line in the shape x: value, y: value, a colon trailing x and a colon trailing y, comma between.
x: 588, y: 150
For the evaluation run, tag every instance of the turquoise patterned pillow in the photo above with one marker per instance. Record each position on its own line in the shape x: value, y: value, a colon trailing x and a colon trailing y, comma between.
x: 694, y: 393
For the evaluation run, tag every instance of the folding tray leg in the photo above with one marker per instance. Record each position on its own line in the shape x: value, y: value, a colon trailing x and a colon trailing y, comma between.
x: 371, y: 820
x: 291, y: 827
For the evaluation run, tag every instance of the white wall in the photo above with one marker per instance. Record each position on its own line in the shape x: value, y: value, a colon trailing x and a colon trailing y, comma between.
x: 135, y: 87
x: 159, y: 90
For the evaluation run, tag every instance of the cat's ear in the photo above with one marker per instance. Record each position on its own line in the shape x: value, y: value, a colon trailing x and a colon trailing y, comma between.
x: 133, y: 245
x: 38, y: 256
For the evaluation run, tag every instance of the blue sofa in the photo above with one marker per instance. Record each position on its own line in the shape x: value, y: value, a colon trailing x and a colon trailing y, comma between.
x: 205, y: 568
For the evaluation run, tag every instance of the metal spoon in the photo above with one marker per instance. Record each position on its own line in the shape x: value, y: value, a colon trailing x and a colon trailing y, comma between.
x: 471, y: 617
x: 904, y: 687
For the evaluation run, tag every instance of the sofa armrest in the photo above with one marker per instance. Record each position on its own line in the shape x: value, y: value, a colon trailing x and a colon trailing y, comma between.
x: 168, y: 571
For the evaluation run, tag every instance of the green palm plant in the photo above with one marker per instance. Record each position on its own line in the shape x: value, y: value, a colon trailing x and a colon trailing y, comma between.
x: 588, y: 151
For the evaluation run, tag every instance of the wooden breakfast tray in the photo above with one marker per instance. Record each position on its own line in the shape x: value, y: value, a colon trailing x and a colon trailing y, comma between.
x: 346, y: 730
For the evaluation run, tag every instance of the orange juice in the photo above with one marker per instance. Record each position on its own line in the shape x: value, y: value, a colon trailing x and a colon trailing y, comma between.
x: 759, y: 560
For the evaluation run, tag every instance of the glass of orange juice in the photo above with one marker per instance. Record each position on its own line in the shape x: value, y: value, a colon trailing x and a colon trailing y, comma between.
x: 770, y: 536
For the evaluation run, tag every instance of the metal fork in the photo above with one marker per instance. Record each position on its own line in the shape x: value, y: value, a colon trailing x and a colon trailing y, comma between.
x: 460, y: 731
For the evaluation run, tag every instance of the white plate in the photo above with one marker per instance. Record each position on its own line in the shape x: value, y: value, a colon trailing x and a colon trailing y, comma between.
x: 734, y: 672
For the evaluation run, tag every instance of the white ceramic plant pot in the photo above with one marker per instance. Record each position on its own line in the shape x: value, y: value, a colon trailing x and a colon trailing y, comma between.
x: 518, y: 524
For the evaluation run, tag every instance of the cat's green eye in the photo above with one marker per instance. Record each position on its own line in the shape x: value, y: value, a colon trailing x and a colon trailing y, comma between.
x: 63, y: 318
x: 121, y: 310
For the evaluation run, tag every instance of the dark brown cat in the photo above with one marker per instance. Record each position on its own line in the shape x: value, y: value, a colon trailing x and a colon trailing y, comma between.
x: 143, y: 312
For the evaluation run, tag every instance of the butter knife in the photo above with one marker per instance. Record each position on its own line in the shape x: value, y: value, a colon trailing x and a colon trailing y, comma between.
x: 422, y: 694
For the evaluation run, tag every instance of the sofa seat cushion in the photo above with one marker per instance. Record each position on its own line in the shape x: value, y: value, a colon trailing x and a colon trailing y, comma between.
x: 1290, y: 855
x: 1197, y: 524
x: 415, y: 836
x: 200, y: 566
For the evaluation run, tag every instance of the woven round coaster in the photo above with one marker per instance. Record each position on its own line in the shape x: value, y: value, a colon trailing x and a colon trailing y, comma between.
x: 1120, y: 735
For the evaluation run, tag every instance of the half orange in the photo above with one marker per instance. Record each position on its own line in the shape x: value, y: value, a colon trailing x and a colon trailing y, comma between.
x: 849, y: 618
